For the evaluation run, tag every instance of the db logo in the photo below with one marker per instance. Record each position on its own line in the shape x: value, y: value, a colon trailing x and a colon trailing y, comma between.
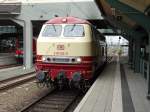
x: 60, y: 47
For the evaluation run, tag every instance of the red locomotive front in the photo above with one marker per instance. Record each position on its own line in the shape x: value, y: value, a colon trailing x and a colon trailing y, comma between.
x: 67, y: 52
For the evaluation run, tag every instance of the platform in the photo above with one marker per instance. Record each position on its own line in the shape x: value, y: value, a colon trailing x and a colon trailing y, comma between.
x: 14, y: 71
x: 117, y: 89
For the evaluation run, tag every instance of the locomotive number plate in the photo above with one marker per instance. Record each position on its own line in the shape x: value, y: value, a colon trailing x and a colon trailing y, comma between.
x: 60, y: 47
x: 60, y: 53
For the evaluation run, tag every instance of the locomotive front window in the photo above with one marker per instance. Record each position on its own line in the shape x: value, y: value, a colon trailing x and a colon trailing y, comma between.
x: 52, y: 31
x: 74, y: 31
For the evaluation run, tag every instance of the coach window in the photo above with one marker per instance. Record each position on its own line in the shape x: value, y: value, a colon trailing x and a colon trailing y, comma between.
x: 74, y: 31
x: 52, y: 31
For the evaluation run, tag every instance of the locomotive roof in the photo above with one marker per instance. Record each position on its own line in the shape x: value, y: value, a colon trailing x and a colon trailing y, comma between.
x: 67, y: 20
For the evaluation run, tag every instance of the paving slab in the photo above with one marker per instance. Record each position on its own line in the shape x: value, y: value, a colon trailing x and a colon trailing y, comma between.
x: 138, y: 89
x: 105, y: 93
x: 116, y: 91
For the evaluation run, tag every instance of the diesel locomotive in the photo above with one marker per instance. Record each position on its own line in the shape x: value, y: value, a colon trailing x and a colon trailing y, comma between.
x: 69, y: 51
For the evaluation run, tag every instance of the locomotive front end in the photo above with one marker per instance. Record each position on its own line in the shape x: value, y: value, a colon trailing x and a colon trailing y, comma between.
x: 65, y: 53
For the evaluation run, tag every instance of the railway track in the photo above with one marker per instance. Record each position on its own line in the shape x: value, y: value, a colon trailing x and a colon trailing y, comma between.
x: 55, y: 101
x: 15, y: 81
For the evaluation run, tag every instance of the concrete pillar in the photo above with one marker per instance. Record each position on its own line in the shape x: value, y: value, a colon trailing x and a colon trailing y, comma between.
x: 27, y: 41
x: 130, y: 51
x: 27, y: 38
x: 137, y: 48
x: 133, y: 55
x: 148, y: 95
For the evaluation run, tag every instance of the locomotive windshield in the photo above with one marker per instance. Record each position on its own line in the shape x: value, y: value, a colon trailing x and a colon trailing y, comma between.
x: 74, y: 31
x: 52, y: 31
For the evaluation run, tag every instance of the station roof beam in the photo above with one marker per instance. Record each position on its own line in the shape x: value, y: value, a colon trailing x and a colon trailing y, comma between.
x: 132, y: 13
x: 10, y: 8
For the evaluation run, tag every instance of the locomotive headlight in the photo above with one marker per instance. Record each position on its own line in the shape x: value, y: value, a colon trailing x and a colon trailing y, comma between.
x: 79, y: 60
x: 43, y: 59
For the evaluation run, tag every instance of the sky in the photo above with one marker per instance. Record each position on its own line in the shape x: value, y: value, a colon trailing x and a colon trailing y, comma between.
x: 114, y: 40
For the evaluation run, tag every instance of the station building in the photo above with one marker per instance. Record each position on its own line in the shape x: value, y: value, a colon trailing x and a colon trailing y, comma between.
x: 23, y: 19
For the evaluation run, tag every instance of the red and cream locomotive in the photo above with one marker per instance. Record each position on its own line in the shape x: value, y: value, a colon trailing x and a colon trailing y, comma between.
x: 69, y: 50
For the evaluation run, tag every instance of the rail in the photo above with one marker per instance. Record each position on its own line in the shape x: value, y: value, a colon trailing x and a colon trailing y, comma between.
x: 54, y: 101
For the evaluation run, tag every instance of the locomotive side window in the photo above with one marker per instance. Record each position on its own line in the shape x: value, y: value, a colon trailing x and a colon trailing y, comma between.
x: 74, y: 31
x: 52, y: 31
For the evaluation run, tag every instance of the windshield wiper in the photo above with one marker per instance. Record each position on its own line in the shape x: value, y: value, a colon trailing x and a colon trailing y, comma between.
x: 73, y: 27
x: 54, y: 27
